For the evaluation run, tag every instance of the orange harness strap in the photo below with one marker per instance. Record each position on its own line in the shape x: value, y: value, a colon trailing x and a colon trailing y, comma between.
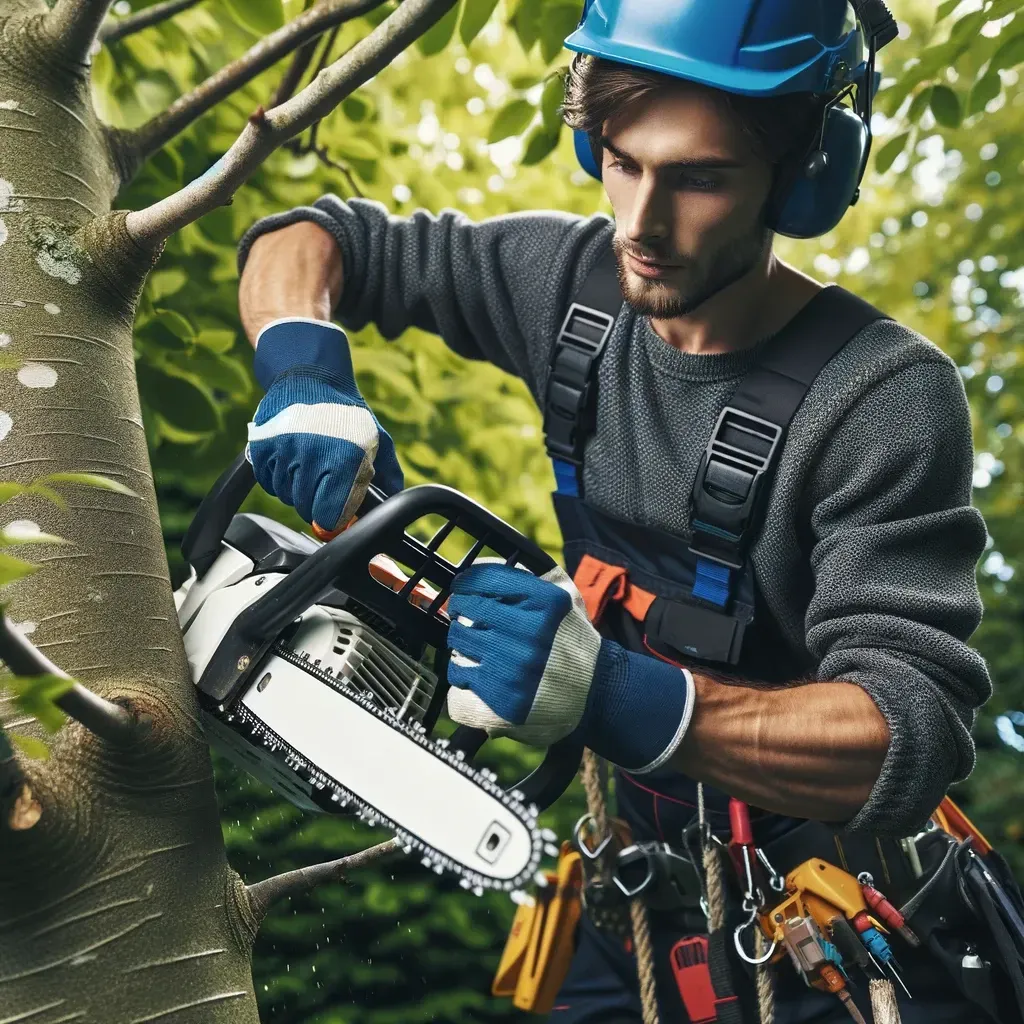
x: 599, y: 582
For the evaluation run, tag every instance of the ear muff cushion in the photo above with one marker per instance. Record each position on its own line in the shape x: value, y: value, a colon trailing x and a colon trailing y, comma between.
x: 808, y: 207
x: 585, y: 154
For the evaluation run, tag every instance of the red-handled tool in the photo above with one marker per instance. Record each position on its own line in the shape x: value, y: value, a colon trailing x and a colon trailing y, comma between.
x: 884, y: 910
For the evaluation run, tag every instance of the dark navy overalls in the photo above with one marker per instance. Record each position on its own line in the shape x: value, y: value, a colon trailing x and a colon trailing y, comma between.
x: 706, y: 613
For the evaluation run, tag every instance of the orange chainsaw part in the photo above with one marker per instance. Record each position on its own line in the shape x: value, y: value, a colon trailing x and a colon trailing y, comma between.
x: 386, y: 570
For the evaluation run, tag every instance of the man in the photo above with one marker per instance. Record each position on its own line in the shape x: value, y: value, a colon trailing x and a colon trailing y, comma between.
x: 848, y: 692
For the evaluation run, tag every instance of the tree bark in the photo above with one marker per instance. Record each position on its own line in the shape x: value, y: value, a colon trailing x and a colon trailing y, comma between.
x: 118, y: 905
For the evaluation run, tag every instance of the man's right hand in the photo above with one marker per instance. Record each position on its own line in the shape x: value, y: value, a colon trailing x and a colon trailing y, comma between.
x: 313, y: 442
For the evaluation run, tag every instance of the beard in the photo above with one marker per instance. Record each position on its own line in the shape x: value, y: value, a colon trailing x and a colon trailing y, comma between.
x: 699, y: 279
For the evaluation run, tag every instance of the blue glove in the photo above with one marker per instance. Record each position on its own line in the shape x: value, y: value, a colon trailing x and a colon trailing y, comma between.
x: 313, y: 442
x: 527, y: 663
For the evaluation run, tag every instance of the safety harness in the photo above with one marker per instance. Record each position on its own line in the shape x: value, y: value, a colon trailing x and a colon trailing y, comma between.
x: 698, y: 612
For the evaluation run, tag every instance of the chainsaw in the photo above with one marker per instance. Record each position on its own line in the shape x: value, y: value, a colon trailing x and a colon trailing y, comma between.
x: 320, y: 669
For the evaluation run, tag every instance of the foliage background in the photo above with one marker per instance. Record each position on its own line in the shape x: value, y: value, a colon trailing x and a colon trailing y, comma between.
x: 467, y: 119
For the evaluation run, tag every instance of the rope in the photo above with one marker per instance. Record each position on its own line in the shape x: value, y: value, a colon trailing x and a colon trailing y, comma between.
x: 591, y: 775
x: 644, y: 960
x: 765, y: 992
x: 884, y: 1007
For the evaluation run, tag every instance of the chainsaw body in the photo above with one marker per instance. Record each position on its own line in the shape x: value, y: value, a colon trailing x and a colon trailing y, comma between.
x: 321, y: 670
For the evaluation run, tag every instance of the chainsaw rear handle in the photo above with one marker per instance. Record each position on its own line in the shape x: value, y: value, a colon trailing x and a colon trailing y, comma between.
x: 343, y: 563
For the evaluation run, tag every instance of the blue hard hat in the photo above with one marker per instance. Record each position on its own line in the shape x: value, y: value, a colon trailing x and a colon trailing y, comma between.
x: 760, y: 48
x: 753, y: 47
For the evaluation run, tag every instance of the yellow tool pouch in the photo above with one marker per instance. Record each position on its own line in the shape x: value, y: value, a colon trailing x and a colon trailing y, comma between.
x: 541, y: 942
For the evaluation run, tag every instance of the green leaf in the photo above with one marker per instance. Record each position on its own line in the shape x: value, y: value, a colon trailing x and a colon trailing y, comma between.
x: 945, y: 105
x: 945, y: 9
x: 350, y: 146
x: 355, y: 107
x: 550, y: 100
x: 104, y: 483
x: 526, y: 22
x: 12, y: 569
x: 183, y: 403
x: 511, y: 120
x: 216, y: 339
x: 439, y: 35
x: 887, y: 154
x: 36, y: 696
x: 919, y: 104
x: 1010, y: 54
x: 986, y: 89
x: 30, y: 746
x: 261, y: 17
x: 539, y: 143
x: 557, y: 22
x: 475, y: 15
x: 9, y: 489
x: 217, y: 371
x: 162, y: 283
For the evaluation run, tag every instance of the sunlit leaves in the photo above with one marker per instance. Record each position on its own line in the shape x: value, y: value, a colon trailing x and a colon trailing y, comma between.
x: 439, y: 35
x: 103, y: 483
x: 887, y: 154
x: 35, y: 695
x: 511, y: 120
x: 475, y: 14
x: 986, y: 89
x: 539, y: 142
x: 551, y: 101
x: 260, y: 17
x: 945, y: 105
x: 13, y: 569
x: 557, y: 21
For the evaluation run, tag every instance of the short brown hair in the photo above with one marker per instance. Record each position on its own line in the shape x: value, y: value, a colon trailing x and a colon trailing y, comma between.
x: 780, y: 128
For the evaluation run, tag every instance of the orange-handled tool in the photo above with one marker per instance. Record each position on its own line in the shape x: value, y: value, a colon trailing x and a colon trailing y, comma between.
x: 325, y: 535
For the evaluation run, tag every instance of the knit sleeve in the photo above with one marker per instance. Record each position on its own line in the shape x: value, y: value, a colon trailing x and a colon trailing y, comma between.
x: 493, y: 290
x: 896, y: 543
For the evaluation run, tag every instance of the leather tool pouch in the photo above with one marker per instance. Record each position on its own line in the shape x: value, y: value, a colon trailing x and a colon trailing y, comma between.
x: 970, y: 914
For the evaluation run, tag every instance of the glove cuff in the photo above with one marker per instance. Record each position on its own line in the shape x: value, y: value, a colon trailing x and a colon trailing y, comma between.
x: 639, y: 709
x: 291, y: 342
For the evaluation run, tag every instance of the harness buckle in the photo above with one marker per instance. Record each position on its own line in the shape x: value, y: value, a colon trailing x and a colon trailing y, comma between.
x: 569, y: 402
x: 728, y: 484
x: 662, y: 876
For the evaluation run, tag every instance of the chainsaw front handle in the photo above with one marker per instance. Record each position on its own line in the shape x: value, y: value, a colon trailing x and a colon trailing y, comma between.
x: 343, y: 563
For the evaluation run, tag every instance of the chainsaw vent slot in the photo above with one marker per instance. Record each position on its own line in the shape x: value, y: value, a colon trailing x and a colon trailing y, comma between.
x: 369, y: 663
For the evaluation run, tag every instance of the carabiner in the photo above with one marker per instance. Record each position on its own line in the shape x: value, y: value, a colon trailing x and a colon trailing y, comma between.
x: 751, y: 909
x: 585, y: 850
x: 775, y: 881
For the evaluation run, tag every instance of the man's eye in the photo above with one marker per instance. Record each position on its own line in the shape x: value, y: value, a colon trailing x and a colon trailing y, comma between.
x: 700, y: 184
x: 625, y: 168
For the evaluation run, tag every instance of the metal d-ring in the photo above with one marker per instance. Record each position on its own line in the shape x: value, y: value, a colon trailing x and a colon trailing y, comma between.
x: 583, y: 848
x: 626, y: 891
x: 738, y: 942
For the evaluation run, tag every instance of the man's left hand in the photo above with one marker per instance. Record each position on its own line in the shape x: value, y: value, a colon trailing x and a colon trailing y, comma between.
x: 527, y: 663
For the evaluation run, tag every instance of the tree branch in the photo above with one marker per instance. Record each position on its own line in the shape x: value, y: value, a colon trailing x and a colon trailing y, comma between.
x: 72, y: 27
x: 266, y: 131
x: 118, y: 28
x: 263, y: 895
x: 18, y: 809
x: 300, y: 62
x: 159, y: 130
x: 107, y: 720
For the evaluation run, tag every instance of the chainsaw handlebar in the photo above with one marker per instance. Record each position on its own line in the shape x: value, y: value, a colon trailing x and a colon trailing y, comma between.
x: 343, y: 563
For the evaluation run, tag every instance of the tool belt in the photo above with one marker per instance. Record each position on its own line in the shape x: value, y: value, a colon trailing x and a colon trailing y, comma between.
x: 955, y: 894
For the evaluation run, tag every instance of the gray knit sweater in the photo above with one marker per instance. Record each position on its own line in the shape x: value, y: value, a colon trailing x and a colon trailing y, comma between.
x: 868, y: 551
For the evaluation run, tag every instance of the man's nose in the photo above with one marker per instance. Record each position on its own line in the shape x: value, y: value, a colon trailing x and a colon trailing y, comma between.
x: 649, y: 221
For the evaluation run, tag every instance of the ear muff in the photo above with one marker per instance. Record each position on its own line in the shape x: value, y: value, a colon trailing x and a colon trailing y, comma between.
x: 585, y: 154
x: 812, y: 201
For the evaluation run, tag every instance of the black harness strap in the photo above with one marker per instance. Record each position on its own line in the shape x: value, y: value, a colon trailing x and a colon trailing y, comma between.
x: 731, y: 482
x: 570, y: 403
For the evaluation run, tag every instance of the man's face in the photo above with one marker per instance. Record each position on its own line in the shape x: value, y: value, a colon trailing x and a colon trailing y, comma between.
x: 688, y: 193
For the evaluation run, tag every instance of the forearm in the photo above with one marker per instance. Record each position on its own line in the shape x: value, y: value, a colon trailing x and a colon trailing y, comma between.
x: 295, y: 271
x: 812, y: 750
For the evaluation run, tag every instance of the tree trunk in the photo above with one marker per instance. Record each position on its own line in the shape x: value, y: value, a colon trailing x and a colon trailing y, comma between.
x: 118, y: 906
